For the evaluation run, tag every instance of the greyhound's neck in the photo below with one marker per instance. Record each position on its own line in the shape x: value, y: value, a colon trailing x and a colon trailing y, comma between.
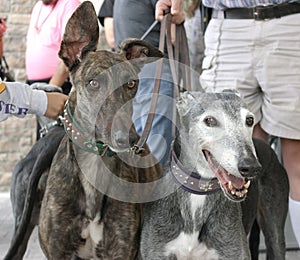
x: 182, y: 151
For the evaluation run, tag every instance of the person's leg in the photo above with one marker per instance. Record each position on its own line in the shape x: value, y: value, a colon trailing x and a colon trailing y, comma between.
x: 294, y: 209
x: 291, y: 157
x: 259, y: 133
x: 281, y: 99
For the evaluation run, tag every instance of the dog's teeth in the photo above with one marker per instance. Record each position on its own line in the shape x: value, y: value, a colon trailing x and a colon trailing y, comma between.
x: 239, y: 194
x: 244, y: 191
x: 247, y: 185
x: 230, y: 185
x: 232, y: 192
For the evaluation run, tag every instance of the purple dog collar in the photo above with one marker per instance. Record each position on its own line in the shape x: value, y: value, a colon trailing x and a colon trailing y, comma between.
x: 192, y: 181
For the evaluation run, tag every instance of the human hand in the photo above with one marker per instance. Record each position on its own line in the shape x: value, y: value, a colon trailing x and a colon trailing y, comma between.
x: 176, y: 6
x: 56, y: 104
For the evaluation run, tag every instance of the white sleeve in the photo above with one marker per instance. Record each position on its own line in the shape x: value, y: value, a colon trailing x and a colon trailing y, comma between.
x: 20, y: 99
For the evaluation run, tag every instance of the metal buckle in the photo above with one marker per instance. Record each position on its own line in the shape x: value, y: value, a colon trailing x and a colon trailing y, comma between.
x: 257, y: 11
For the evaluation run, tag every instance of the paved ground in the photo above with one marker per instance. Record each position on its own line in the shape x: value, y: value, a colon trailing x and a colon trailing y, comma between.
x: 34, y: 252
x: 6, y: 230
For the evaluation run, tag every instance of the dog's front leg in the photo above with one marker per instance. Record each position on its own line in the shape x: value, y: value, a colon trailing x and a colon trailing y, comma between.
x: 224, y: 230
x: 61, y: 216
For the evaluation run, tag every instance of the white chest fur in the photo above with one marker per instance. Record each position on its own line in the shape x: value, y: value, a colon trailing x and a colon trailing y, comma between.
x: 197, y: 202
x: 92, y: 233
x: 187, y: 246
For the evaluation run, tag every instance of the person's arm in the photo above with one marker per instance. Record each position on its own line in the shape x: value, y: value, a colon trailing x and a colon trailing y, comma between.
x: 60, y: 75
x: 109, y: 31
x: 20, y: 99
x: 3, y: 28
x: 106, y: 10
x: 105, y: 17
x: 176, y: 7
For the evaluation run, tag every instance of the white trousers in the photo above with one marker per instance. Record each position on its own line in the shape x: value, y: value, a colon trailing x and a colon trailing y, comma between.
x: 261, y: 60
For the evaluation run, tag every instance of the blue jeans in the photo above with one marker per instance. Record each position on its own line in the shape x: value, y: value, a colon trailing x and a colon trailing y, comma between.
x: 160, y: 136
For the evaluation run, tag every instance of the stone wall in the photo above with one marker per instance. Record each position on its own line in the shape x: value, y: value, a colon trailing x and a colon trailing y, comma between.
x: 16, y: 138
x: 17, y: 13
x: 18, y: 135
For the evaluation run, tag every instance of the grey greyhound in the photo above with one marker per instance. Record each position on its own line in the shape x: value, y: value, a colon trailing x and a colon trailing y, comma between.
x: 220, y: 186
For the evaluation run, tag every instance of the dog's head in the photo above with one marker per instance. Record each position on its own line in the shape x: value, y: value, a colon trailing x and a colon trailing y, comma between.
x: 104, y: 83
x: 216, y: 138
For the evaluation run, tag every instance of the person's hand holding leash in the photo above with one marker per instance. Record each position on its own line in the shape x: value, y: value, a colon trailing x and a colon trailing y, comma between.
x: 176, y: 6
x: 55, y: 105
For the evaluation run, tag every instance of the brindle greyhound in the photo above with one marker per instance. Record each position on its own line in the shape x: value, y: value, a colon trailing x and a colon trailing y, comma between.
x: 77, y: 218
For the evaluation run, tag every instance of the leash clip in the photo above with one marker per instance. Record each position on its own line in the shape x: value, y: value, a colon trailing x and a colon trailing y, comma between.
x: 137, y: 149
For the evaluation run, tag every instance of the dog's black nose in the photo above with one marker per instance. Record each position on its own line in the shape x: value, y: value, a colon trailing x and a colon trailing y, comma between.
x: 124, y: 140
x: 121, y: 139
x: 249, y: 167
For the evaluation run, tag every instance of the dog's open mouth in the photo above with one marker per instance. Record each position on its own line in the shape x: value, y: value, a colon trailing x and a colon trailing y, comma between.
x: 235, y: 188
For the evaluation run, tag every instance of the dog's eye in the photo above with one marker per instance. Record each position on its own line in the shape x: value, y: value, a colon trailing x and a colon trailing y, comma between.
x: 94, y: 83
x: 210, y: 121
x: 249, y: 121
x: 131, y: 84
x: 145, y: 51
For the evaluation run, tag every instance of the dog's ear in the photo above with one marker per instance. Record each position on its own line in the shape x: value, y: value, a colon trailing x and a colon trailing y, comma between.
x: 139, y: 51
x: 183, y: 103
x: 81, y: 35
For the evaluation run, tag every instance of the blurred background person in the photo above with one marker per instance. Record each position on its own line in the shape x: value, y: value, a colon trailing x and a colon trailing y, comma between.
x: 105, y: 16
x: 46, y: 28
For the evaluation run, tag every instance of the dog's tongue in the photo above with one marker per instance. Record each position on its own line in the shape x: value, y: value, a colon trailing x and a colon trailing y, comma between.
x: 236, y: 182
x: 223, y: 176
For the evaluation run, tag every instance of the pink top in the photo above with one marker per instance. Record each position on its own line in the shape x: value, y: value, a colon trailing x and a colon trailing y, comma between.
x: 44, y: 36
